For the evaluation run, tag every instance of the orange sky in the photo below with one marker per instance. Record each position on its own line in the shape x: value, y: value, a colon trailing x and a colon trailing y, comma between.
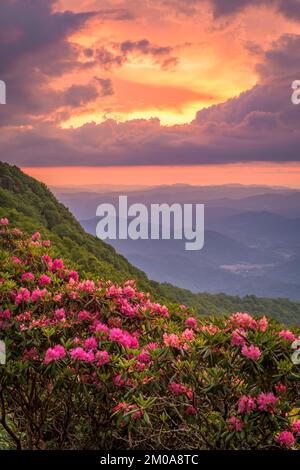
x: 213, y: 62
x: 261, y: 174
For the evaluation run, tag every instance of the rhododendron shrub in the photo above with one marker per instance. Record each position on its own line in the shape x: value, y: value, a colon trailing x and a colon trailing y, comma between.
x: 93, y: 365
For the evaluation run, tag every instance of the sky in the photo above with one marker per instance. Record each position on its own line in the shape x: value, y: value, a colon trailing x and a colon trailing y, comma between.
x: 155, y: 91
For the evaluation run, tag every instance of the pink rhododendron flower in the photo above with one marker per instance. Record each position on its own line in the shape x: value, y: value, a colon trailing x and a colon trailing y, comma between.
x: 47, y: 259
x: 23, y: 295
x: 144, y: 357
x: 138, y: 415
x: 262, y: 324
x: 235, y: 423
x: 27, y: 277
x: 73, y: 275
x: 57, y: 264
x: 114, y: 291
x: 102, y: 357
x: 191, y: 410
x: 46, y: 243
x: 118, y: 381
x: 100, y: 327
x: 287, y: 335
x: 238, y: 337
x: 252, y: 352
x: 129, y: 292
x: 246, y: 404
x: 84, y: 315
x: 90, y: 343
x: 44, y: 279
x: 5, y: 314
x: 60, y: 314
x: 244, y: 320
x: 280, y: 388
x: 266, y: 401
x: 211, y: 329
x: 54, y: 354
x: 179, y: 389
x: 81, y: 355
x: 171, y: 340
x: 296, y: 427
x: 286, y: 439
x: 188, y: 335
x: 35, y: 243
x: 120, y: 406
x: 4, y: 221
x: 38, y: 294
x: 36, y: 236
x: 86, y: 286
x: 191, y: 322
x: 124, y: 338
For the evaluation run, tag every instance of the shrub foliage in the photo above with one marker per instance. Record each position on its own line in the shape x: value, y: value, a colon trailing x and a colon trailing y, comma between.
x: 94, y: 365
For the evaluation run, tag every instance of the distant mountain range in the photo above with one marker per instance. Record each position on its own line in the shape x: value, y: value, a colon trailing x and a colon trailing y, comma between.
x: 252, y: 238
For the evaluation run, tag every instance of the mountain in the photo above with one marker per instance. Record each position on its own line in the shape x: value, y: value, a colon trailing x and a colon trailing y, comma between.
x: 31, y: 206
x: 224, y: 199
x: 246, y: 249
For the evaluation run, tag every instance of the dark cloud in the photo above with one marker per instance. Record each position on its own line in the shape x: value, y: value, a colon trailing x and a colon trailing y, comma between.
x: 289, y: 8
x: 79, y: 95
x: 108, y: 59
x: 34, y: 48
x: 145, y: 47
x: 282, y: 59
x: 116, y: 14
x: 223, y: 8
x: 120, y: 53
x: 106, y: 86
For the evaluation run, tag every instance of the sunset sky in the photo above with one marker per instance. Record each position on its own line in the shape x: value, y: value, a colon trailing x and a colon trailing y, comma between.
x: 163, y: 91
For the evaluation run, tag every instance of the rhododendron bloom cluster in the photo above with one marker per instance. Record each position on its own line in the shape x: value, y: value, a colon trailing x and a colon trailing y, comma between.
x: 246, y: 404
x: 81, y: 355
x: 179, y: 389
x: 296, y: 427
x: 238, y: 337
x: 54, y: 354
x: 287, y: 335
x: 286, y: 439
x: 191, y: 322
x: 235, y: 423
x: 243, y: 320
x: 44, y: 279
x: 266, y: 401
x: 102, y: 357
x: 4, y: 221
x: 102, y: 364
x: 124, y: 338
x: 252, y: 352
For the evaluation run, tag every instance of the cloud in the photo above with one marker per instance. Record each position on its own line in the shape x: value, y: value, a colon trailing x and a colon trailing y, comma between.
x: 289, y: 8
x: 34, y: 48
x: 79, y: 95
x: 120, y: 53
x: 116, y: 14
x: 106, y: 86
x: 259, y: 125
x: 224, y: 8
